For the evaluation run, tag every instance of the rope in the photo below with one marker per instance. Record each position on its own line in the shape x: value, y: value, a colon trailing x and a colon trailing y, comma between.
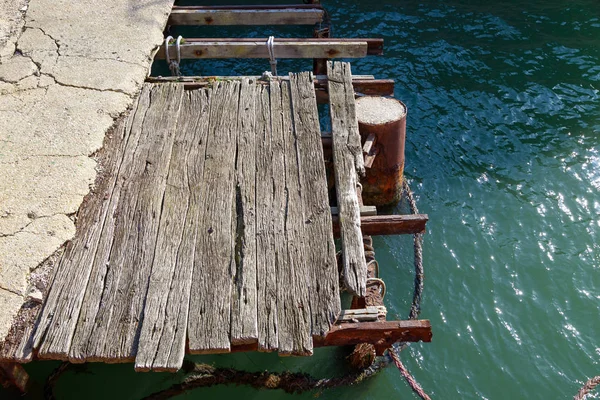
x: 408, y: 377
x: 271, y: 51
x: 173, y: 65
x: 587, y: 388
x: 415, y: 308
x: 381, y: 284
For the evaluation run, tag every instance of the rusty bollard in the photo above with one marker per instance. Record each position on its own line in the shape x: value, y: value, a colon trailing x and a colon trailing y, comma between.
x: 384, y: 119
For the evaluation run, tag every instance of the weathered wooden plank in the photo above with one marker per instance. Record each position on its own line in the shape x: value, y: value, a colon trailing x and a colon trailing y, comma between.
x: 270, y: 215
x: 322, y: 273
x: 388, y: 224
x: 320, y: 80
x: 214, y: 16
x: 244, y: 324
x: 109, y: 323
x: 163, y: 334
x: 56, y: 325
x: 293, y: 301
x: 347, y: 162
x: 370, y: 313
x: 364, y: 211
x: 209, y: 320
x: 257, y: 48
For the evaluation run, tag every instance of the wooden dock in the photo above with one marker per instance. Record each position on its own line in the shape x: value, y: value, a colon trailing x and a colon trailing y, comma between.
x: 211, y: 232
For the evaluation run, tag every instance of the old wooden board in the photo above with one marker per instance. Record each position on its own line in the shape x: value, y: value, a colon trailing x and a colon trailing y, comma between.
x: 348, y: 163
x: 257, y: 48
x: 240, y: 15
x: 109, y: 322
x: 270, y: 211
x: 209, y: 323
x: 164, y: 328
x: 293, y: 302
x: 322, y: 274
x: 244, y: 324
x: 375, y: 225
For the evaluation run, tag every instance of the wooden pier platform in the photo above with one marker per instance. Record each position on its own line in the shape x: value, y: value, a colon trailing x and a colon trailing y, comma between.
x: 215, y: 227
x: 211, y: 231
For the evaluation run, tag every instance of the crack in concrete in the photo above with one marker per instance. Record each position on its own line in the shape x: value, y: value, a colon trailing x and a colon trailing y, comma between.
x: 56, y: 81
x: 21, y: 230
x: 56, y: 41
x: 11, y: 291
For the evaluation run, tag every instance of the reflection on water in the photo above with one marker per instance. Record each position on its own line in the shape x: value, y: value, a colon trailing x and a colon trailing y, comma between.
x: 503, y: 154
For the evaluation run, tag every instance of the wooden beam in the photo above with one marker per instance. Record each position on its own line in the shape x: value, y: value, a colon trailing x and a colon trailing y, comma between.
x: 363, y: 84
x: 388, y: 224
x: 283, y: 48
x: 381, y: 333
x: 348, y: 165
x: 246, y: 15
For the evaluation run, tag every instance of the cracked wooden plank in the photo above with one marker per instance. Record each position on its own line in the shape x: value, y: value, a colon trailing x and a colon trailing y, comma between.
x: 270, y: 212
x: 164, y: 328
x: 322, y: 274
x: 348, y: 163
x: 293, y: 301
x: 209, y: 321
x: 244, y: 324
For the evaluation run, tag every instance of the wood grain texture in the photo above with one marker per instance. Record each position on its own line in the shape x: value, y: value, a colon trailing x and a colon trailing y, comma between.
x: 270, y: 211
x: 209, y: 323
x: 348, y: 163
x: 293, y: 300
x: 322, y: 273
x: 244, y: 324
x: 256, y: 48
x: 163, y: 335
x: 109, y: 326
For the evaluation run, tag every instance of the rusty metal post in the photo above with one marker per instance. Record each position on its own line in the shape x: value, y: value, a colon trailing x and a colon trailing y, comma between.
x: 385, y: 119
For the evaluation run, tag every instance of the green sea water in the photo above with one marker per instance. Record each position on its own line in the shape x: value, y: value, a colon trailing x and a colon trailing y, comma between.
x: 503, y: 153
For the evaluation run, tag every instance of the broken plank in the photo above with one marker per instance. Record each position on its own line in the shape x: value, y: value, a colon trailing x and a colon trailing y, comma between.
x: 270, y: 211
x: 293, y: 303
x: 245, y: 16
x: 164, y: 328
x: 388, y: 224
x: 244, y: 324
x: 209, y: 320
x: 348, y: 163
x: 322, y: 273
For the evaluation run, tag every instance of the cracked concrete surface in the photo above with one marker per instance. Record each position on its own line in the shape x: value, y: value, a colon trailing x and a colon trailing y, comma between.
x: 67, y: 70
